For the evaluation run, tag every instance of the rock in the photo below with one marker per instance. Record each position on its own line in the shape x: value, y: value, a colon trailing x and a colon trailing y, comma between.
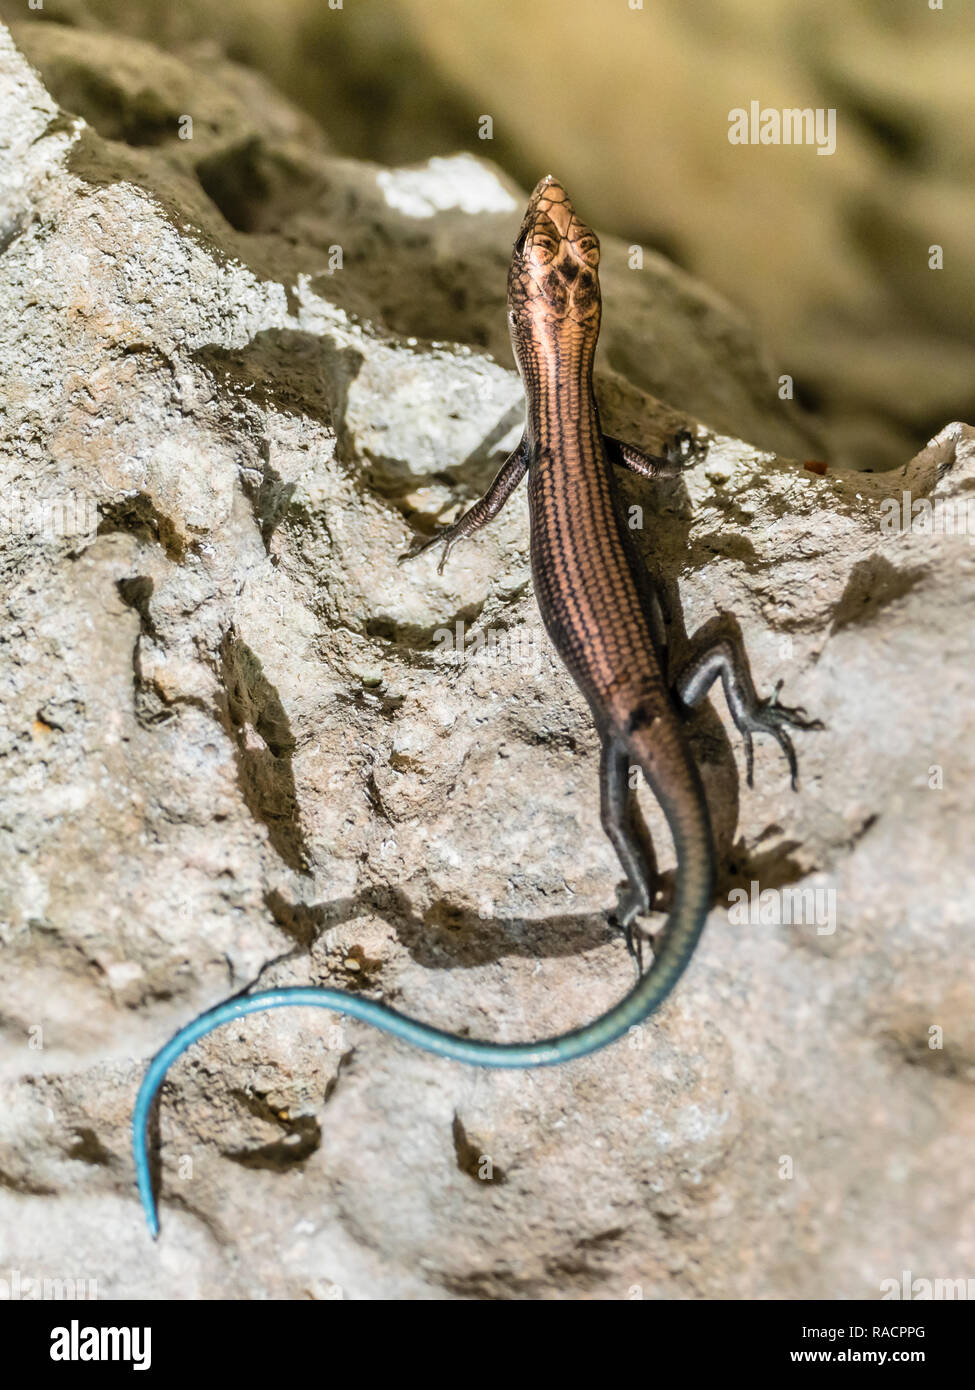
x: 240, y: 746
x: 831, y: 256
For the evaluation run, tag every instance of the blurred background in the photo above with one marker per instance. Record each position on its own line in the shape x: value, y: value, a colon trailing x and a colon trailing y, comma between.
x: 829, y: 256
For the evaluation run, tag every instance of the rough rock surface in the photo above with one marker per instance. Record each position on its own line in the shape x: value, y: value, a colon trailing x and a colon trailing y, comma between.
x: 832, y: 255
x: 234, y: 749
x: 630, y: 107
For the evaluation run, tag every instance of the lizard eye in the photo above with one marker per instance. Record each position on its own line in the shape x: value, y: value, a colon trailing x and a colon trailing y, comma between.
x: 520, y: 243
x: 542, y: 249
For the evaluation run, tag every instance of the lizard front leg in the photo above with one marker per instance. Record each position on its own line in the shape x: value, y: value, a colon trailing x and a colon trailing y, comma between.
x: 680, y: 451
x: 725, y: 658
x: 484, y: 510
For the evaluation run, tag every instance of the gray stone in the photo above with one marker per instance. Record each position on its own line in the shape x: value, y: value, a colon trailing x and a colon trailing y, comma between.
x: 236, y: 752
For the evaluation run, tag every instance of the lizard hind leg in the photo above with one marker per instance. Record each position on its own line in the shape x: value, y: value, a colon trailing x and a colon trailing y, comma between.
x: 629, y: 836
x: 725, y: 658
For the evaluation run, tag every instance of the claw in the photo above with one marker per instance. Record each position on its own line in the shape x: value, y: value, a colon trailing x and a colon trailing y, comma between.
x: 677, y: 451
x: 422, y: 543
x: 634, y: 945
x: 634, y: 941
x: 772, y: 718
x: 785, y: 743
x: 683, y: 448
x: 749, y: 757
x: 795, y: 715
x: 417, y: 547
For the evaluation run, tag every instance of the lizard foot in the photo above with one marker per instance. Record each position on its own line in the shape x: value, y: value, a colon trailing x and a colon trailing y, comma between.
x: 633, y: 903
x: 725, y: 659
x: 681, y: 450
x: 422, y: 543
x: 769, y: 717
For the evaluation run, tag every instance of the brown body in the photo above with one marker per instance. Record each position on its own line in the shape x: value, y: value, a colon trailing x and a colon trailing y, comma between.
x: 591, y: 600
x: 593, y: 597
x: 582, y: 563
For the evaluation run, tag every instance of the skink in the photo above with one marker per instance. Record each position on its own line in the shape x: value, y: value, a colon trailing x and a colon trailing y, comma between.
x: 598, y: 609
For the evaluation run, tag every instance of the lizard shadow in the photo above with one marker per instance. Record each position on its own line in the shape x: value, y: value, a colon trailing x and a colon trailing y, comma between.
x: 717, y: 755
x: 447, y: 935
x: 444, y: 936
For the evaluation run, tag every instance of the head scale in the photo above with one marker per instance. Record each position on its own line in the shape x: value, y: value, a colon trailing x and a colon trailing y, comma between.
x: 553, y: 283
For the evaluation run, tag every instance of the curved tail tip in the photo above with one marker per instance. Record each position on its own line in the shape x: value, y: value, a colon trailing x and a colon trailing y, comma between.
x: 151, y: 1214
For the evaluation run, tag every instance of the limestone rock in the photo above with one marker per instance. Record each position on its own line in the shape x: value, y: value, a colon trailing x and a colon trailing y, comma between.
x: 236, y: 749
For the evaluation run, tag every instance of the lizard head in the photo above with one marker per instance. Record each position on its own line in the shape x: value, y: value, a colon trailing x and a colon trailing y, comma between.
x: 553, y: 283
